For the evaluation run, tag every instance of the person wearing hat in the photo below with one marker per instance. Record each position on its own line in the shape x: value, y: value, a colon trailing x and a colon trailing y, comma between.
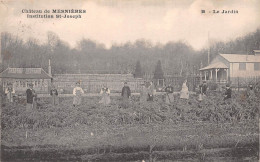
x: 228, y: 92
x: 30, y: 97
x: 77, y: 93
x: 126, y: 92
x: 54, y: 95
x: 9, y: 92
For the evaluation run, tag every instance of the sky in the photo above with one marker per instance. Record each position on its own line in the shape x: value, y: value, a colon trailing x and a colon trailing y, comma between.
x: 120, y: 21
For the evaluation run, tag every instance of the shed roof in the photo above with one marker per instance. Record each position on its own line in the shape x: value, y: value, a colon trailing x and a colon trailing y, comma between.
x: 241, y: 58
x: 217, y: 65
x: 25, y: 73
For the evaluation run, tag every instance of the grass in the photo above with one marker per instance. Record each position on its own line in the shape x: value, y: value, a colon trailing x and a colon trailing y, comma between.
x: 128, y: 141
x: 210, y: 135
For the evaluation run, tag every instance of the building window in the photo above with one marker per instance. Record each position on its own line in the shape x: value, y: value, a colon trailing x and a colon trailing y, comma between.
x: 257, y: 66
x: 242, y: 66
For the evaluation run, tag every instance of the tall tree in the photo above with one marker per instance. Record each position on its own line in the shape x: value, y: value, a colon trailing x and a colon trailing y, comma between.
x: 158, y: 73
x: 138, y: 70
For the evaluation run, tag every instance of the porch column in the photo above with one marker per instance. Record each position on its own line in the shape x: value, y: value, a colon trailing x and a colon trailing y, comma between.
x: 216, y: 74
x: 200, y: 75
x: 205, y: 75
x: 163, y: 83
x: 227, y: 73
x: 210, y: 74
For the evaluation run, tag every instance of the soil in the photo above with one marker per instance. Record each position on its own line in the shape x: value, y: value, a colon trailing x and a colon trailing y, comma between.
x: 249, y: 151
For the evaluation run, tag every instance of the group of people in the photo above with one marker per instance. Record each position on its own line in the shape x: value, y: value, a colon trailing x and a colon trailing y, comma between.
x: 184, y: 93
x: 104, y: 92
x: 147, y: 93
x: 204, y: 88
x: 228, y: 91
x: 31, y: 95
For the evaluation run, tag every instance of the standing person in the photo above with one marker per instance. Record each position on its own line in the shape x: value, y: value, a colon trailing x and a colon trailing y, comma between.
x: 77, y: 93
x: 54, y: 95
x: 144, y: 93
x: 126, y: 92
x: 228, y: 92
x: 184, y: 90
x: 9, y: 92
x: 105, y: 92
x: 203, y: 88
x: 169, y: 94
x: 150, y: 92
x: 30, y: 96
x: 250, y: 91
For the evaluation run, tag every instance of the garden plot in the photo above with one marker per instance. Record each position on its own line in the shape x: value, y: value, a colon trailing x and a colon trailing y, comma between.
x: 134, y: 131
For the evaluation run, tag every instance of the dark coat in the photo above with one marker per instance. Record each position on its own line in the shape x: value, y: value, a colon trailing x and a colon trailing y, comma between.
x: 203, y: 88
x: 228, y: 93
x: 30, y: 93
x: 126, y: 90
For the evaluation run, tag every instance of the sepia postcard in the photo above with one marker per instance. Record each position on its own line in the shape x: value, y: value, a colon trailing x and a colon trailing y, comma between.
x: 130, y: 80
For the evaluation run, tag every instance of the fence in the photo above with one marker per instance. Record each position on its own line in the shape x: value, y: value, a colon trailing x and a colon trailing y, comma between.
x: 92, y: 83
x: 176, y: 81
x: 241, y: 83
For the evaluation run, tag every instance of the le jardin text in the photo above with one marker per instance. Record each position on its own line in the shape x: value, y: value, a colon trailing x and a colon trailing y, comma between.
x: 225, y: 11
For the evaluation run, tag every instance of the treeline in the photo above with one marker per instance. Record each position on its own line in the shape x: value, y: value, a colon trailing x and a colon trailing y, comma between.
x: 89, y: 56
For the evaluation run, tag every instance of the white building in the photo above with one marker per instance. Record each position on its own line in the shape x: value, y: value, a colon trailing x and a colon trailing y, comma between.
x: 231, y: 67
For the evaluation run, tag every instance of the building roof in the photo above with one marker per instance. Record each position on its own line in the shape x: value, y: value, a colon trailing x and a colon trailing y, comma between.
x: 256, y: 51
x: 241, y: 58
x: 217, y: 65
x: 25, y: 73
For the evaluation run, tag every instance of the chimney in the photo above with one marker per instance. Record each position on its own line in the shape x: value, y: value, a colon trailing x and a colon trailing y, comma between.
x: 49, y: 68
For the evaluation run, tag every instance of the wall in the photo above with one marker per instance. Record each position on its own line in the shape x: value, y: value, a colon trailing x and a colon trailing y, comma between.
x: 234, y: 68
x: 249, y: 72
